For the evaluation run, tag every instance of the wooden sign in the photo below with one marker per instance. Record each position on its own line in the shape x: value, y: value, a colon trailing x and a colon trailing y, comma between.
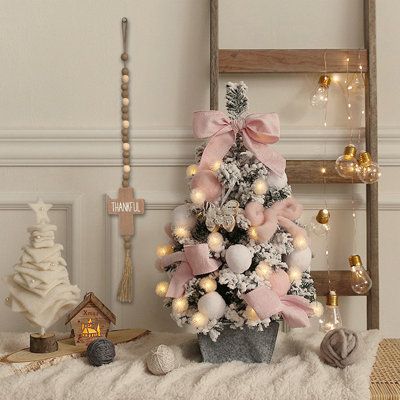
x: 125, y: 206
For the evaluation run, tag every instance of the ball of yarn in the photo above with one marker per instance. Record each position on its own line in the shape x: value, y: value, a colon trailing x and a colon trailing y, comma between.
x: 100, y: 351
x: 161, y: 360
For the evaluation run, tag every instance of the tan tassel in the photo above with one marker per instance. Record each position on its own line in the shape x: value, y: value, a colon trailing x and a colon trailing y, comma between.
x: 125, y: 286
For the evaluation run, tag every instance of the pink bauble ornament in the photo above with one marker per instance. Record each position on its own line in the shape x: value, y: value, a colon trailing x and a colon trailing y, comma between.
x: 254, y: 212
x: 208, y: 183
x: 280, y: 282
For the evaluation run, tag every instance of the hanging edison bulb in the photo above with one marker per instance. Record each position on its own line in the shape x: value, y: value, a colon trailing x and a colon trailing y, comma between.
x: 368, y: 171
x: 319, y: 225
x: 346, y: 165
x: 361, y: 282
x: 331, y: 318
x: 319, y: 97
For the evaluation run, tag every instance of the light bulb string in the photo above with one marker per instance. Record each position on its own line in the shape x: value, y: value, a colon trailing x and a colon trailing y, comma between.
x: 353, y: 209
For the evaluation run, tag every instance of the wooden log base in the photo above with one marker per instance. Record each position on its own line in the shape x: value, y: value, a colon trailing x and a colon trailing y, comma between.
x: 46, y: 343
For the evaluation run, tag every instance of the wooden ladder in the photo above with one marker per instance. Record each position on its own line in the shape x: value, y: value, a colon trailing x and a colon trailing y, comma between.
x: 309, y: 171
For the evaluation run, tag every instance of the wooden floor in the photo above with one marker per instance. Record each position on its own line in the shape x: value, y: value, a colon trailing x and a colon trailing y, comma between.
x: 385, y: 377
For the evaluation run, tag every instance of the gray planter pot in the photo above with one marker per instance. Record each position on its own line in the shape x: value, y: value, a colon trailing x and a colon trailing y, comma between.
x: 247, y: 345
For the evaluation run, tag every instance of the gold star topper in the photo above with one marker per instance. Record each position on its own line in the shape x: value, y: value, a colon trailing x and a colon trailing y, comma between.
x: 40, y: 208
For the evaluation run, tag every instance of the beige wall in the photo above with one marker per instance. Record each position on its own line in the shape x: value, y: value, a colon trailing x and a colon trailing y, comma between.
x: 59, y: 128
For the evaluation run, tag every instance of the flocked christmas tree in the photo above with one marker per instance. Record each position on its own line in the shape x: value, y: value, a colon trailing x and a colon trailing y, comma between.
x: 238, y: 255
x: 40, y: 288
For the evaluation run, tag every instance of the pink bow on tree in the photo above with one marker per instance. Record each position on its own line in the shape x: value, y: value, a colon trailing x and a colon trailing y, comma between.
x: 266, y: 302
x: 194, y: 260
x: 265, y: 221
x: 257, y: 130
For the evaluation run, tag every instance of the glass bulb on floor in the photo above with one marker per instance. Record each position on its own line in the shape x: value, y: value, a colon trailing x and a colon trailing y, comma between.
x: 368, y: 171
x: 331, y: 318
x: 319, y: 97
x: 319, y: 224
x: 347, y: 165
x: 361, y: 282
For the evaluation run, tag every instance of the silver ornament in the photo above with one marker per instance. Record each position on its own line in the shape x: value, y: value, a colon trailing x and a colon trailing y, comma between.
x: 222, y: 216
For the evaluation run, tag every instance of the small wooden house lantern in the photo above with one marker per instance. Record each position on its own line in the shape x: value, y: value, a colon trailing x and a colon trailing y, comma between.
x: 90, y: 320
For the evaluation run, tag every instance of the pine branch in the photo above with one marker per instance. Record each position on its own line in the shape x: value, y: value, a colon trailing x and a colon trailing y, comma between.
x: 236, y: 99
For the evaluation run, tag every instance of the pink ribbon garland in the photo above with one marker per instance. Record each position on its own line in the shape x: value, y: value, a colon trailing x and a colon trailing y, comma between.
x: 294, y: 309
x: 194, y: 260
x: 265, y: 221
x: 257, y: 130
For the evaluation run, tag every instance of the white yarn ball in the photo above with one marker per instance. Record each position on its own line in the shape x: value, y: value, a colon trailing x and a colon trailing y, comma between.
x: 238, y: 258
x: 212, y: 305
x: 276, y: 181
x: 182, y: 216
x: 161, y: 360
x: 300, y: 259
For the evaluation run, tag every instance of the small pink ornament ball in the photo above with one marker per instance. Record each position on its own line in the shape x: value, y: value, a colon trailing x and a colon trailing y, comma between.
x: 208, y: 183
x: 280, y: 282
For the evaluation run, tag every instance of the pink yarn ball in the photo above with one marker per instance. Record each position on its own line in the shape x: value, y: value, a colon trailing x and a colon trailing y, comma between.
x: 280, y: 282
x: 208, y: 183
x: 254, y: 212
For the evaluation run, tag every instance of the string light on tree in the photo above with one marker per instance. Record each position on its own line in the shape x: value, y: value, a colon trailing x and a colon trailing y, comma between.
x: 199, y: 320
x: 216, y: 166
x: 191, y: 170
x: 263, y: 270
x: 251, y: 314
x: 162, y: 288
x: 180, y: 305
x: 215, y: 241
x: 181, y: 232
x: 300, y: 242
x: 361, y: 282
x: 318, y: 309
x: 208, y: 284
x: 369, y: 171
x: 198, y: 197
x: 252, y: 232
x: 164, y: 250
x: 331, y: 318
x: 260, y: 186
x: 295, y: 274
x: 346, y: 165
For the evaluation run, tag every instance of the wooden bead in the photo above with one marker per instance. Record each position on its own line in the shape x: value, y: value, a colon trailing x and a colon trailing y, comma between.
x: 127, y: 168
x: 125, y: 71
x: 125, y: 101
x: 125, y: 94
x: 125, y: 78
x: 125, y: 183
x: 124, y: 109
x: 126, y: 160
x: 124, y: 57
x: 125, y: 154
x: 124, y: 86
x: 127, y: 245
x: 126, y: 175
x: 126, y: 146
x: 125, y: 116
x: 125, y: 131
x: 125, y: 139
x: 127, y: 239
x: 125, y: 124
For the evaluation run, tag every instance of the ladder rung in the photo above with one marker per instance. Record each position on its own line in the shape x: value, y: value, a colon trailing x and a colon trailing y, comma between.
x: 340, y: 282
x: 310, y: 171
x: 287, y: 60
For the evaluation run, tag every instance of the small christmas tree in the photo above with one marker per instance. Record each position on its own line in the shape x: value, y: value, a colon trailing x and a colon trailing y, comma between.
x: 238, y: 257
x: 40, y: 287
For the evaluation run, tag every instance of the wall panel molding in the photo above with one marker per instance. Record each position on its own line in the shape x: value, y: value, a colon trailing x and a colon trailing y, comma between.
x: 165, y: 146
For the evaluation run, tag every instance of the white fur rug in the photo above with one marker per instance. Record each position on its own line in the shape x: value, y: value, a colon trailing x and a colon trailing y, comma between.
x: 295, y: 373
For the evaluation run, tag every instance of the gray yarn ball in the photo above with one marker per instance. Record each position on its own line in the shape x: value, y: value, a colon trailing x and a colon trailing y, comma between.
x: 161, y: 360
x: 100, y: 351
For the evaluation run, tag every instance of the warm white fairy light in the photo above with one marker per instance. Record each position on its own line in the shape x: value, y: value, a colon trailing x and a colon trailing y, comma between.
x: 181, y: 232
x: 251, y: 314
x: 318, y: 309
x: 260, y: 186
x: 295, y: 274
x: 197, y: 196
x: 199, y: 320
x: 208, y: 284
x: 300, y: 242
x: 164, y: 250
x: 216, y: 166
x: 263, y: 270
x: 191, y: 170
x: 252, y: 232
x: 215, y: 241
x: 162, y: 288
x: 180, y: 305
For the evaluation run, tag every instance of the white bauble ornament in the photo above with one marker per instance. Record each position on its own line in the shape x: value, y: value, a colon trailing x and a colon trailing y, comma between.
x: 182, y: 216
x: 238, y: 258
x: 276, y: 181
x: 300, y: 259
x: 161, y: 360
x: 212, y: 305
